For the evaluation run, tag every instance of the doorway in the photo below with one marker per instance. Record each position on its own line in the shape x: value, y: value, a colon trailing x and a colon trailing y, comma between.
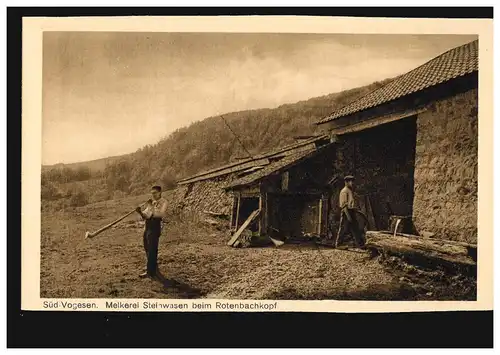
x: 247, y: 206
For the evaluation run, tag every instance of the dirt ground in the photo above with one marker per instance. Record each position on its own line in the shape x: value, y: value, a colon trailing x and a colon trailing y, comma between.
x: 196, y: 263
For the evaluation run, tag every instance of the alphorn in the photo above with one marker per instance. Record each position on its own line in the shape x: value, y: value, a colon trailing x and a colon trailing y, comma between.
x: 93, y: 234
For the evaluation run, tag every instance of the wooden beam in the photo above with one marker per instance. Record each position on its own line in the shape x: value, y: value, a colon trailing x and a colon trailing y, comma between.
x: 320, y: 215
x: 285, y: 179
x: 324, y: 216
x: 374, y: 122
x: 224, y: 170
x: 250, y: 194
x: 249, y: 220
x: 266, y: 212
x: 261, y: 203
x: 238, y: 213
x: 250, y: 190
x: 297, y: 193
x: 372, y: 225
x: 233, y: 213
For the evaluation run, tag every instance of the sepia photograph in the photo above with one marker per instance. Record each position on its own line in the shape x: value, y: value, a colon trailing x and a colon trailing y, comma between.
x: 275, y: 169
x: 259, y: 166
x: 255, y: 164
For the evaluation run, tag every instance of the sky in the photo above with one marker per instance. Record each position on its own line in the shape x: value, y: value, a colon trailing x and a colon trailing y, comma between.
x: 106, y: 94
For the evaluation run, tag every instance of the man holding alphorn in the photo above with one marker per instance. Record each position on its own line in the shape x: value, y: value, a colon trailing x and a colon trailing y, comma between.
x: 153, y: 215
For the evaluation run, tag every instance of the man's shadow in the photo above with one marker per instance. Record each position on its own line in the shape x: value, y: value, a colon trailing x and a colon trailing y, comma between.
x: 179, y: 288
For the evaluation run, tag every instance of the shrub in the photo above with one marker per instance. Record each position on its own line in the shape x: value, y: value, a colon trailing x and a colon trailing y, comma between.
x: 119, y: 194
x: 78, y: 199
x: 99, y: 195
x: 49, y: 192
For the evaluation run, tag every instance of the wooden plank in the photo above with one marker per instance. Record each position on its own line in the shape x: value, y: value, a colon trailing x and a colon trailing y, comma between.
x: 261, y: 203
x: 266, y: 212
x: 233, y: 213
x: 250, y: 194
x: 249, y: 220
x: 285, y: 178
x: 375, y: 215
x: 333, y: 180
x: 361, y: 203
x: 250, y: 190
x: 299, y: 193
x: 320, y: 215
x: 224, y: 170
x: 263, y: 206
x: 372, y: 225
x: 238, y: 213
x: 324, y: 217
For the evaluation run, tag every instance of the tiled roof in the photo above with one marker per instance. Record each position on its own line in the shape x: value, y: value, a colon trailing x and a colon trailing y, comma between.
x: 272, y: 168
x: 452, y: 64
x: 258, y: 160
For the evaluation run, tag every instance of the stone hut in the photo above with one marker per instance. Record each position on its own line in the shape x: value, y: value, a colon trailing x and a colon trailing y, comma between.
x: 413, y: 145
x: 291, y: 194
x: 205, y: 192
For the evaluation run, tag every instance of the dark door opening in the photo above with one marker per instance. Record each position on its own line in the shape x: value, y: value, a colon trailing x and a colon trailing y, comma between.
x: 386, y: 165
x: 295, y: 215
x: 382, y: 159
x: 247, y: 206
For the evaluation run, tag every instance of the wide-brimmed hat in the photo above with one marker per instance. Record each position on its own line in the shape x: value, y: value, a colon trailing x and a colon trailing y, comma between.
x: 348, y: 178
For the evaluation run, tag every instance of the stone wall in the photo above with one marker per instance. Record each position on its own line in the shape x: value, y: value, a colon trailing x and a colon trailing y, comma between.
x: 175, y: 199
x: 445, y: 199
x: 208, y: 195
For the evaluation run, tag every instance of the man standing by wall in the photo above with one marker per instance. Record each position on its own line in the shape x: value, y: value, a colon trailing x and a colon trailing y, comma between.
x: 153, y: 214
x: 348, y: 223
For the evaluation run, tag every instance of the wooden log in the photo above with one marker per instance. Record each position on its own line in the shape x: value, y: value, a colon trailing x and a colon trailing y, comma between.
x: 431, y: 253
x: 471, y: 248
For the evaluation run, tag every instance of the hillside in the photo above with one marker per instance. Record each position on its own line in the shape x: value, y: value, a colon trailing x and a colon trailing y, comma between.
x: 209, y: 143
x: 202, y: 145
x: 96, y: 165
